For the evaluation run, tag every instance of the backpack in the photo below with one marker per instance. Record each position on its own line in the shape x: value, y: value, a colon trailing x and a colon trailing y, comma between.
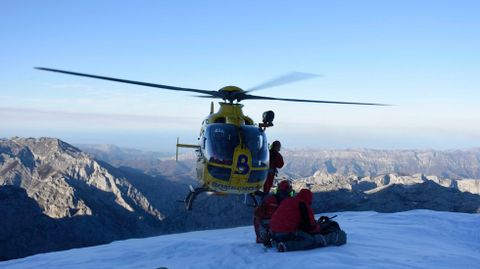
x: 328, y: 226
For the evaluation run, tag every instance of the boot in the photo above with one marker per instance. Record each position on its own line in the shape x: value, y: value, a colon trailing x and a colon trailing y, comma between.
x: 282, y: 247
x: 337, y: 238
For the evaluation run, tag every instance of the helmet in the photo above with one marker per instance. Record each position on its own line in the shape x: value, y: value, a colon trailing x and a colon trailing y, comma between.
x: 284, y: 188
x: 275, y: 144
x: 306, y: 195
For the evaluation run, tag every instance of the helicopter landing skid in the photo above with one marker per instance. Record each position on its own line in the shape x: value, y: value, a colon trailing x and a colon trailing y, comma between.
x: 192, y: 195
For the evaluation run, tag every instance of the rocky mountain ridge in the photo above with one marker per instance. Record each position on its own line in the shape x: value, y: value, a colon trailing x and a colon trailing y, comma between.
x: 455, y: 164
x: 59, y: 184
x: 53, y: 172
x: 324, y: 182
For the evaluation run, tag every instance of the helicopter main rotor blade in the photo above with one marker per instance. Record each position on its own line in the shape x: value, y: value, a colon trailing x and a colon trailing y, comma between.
x: 167, y: 87
x: 255, y: 97
x: 281, y: 80
x: 206, y: 96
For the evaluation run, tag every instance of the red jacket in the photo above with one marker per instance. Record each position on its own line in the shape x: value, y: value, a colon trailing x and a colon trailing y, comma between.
x: 276, y: 160
x: 268, y: 206
x: 288, y: 217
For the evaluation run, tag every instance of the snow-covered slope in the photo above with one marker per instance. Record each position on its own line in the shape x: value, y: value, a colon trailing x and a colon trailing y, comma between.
x: 412, y: 239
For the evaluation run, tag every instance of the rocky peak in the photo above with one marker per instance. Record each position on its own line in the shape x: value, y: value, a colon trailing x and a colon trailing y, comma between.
x: 59, y: 176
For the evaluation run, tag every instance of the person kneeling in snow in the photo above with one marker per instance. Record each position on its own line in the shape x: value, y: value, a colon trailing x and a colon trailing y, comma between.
x: 293, y: 226
x: 263, y: 213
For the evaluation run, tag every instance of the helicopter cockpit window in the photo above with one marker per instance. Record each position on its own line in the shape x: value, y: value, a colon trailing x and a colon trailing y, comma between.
x: 221, y: 141
x: 256, y: 142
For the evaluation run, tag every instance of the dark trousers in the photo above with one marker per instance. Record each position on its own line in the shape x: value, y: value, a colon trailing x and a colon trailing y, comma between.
x: 301, y: 240
x: 261, y: 227
x: 268, y: 183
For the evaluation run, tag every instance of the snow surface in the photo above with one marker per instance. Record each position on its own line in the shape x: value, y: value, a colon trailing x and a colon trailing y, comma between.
x: 412, y: 239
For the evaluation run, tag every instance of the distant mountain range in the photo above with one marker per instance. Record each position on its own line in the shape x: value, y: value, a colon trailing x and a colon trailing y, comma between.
x: 324, y: 182
x: 56, y: 196
x: 365, y: 179
x: 392, y: 193
x: 454, y: 164
x: 150, y: 163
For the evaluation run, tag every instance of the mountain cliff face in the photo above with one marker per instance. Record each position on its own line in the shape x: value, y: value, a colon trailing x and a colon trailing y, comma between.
x: 54, y: 184
x: 67, y: 182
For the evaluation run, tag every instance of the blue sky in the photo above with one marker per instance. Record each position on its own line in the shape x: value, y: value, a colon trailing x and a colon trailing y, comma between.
x: 422, y: 56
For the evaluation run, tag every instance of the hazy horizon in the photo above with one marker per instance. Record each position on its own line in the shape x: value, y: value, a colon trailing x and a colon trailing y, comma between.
x: 96, y: 140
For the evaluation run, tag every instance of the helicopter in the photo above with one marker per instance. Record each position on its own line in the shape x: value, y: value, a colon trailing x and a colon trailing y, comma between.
x: 232, y: 150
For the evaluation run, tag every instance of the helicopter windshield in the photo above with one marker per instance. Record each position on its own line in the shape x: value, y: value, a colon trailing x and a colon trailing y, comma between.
x: 256, y: 141
x: 221, y: 141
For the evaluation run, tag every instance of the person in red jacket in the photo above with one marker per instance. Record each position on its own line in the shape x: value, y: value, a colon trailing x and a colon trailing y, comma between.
x: 276, y: 162
x: 263, y: 213
x: 294, y: 227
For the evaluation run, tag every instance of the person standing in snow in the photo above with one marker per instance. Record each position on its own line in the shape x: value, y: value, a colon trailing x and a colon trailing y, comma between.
x: 263, y: 213
x: 276, y: 162
x: 293, y: 226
